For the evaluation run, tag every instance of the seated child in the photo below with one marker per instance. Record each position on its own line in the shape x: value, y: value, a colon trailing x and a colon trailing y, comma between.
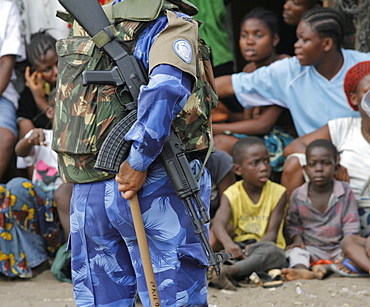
x: 351, y: 137
x: 249, y: 222
x: 357, y: 248
x: 30, y: 230
x: 320, y: 214
x: 40, y: 77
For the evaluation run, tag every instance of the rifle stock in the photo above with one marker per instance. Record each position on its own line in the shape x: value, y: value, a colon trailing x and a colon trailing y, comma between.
x: 81, y: 11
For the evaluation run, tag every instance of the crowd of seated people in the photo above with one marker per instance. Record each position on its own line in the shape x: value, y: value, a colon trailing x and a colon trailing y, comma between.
x: 35, y: 208
x: 323, y: 177
x: 282, y: 163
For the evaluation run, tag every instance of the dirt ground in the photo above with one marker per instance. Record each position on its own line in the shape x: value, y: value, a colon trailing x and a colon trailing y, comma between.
x: 45, y: 291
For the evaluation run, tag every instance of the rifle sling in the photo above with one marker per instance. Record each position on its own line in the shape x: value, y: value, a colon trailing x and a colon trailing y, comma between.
x: 104, y: 37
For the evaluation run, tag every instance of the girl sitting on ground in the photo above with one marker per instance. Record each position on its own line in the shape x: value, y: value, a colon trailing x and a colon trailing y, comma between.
x: 257, y: 41
x: 309, y: 84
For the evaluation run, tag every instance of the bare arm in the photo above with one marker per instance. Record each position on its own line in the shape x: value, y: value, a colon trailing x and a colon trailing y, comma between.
x: 297, y: 241
x: 257, y: 126
x: 219, y: 227
x: 6, y: 68
x: 227, y: 181
x: 25, y: 145
x: 25, y: 125
x: 224, y: 86
x: 275, y: 220
x: 35, y: 83
x: 299, y: 145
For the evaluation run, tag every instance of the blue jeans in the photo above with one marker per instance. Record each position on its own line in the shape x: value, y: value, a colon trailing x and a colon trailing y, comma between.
x: 8, y: 116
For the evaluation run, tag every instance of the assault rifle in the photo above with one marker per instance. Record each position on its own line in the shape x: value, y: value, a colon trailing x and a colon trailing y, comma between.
x: 178, y: 170
x: 129, y: 74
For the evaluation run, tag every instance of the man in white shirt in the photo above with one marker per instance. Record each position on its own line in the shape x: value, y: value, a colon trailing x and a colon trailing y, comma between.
x: 11, y: 49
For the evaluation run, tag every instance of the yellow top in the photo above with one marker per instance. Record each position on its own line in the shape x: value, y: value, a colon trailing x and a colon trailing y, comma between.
x: 250, y: 220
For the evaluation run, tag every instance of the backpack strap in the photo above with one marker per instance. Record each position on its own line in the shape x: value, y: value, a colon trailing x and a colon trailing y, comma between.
x: 129, y: 10
x: 137, y: 10
x: 210, y: 150
x: 104, y: 37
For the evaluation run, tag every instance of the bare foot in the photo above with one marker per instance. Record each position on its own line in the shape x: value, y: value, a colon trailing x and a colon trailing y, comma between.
x: 220, y: 282
x: 339, y: 259
x: 289, y: 274
x: 344, y: 268
x: 349, y: 269
x: 321, y: 270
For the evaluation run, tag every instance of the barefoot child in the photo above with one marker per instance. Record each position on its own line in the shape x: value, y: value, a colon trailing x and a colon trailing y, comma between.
x: 321, y: 213
x: 351, y: 137
x: 248, y: 223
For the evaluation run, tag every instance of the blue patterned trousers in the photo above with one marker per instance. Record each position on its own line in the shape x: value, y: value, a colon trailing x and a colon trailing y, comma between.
x: 106, y: 264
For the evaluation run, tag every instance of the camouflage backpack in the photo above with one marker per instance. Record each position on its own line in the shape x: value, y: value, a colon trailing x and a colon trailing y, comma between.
x: 86, y: 114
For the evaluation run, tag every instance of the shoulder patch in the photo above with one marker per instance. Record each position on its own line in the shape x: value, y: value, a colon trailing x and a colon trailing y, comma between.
x: 183, y: 49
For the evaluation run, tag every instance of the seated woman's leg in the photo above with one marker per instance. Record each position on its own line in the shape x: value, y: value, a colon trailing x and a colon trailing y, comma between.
x: 354, y: 247
x: 21, y: 246
x: 8, y: 133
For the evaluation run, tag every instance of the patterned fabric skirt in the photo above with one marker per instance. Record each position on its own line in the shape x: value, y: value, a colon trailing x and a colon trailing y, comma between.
x: 30, y: 230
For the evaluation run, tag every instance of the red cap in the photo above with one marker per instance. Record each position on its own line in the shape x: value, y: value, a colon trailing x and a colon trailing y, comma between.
x: 353, y: 78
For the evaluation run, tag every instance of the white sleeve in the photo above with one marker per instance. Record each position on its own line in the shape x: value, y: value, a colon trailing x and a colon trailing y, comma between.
x: 338, y: 129
x: 13, y: 42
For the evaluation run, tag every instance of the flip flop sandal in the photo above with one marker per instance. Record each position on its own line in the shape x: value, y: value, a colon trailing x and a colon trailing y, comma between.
x: 275, y: 274
x: 255, y: 279
x: 271, y: 279
x: 272, y: 284
x: 247, y: 283
x: 356, y: 272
